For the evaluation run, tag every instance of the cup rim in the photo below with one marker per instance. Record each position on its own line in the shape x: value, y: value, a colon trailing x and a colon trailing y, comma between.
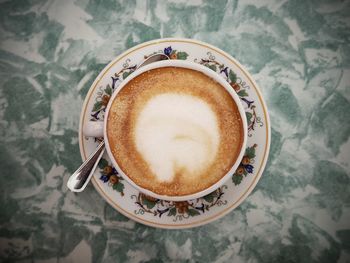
x: 214, y: 76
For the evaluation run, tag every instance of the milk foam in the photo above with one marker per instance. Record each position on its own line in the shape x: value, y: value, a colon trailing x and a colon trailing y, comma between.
x: 177, y: 133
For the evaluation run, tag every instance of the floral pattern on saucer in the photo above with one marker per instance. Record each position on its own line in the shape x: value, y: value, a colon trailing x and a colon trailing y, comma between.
x: 110, y: 176
x: 178, y: 210
x: 168, y: 214
x: 246, y: 166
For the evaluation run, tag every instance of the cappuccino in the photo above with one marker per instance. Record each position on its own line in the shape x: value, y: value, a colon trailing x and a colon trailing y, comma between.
x: 174, y: 131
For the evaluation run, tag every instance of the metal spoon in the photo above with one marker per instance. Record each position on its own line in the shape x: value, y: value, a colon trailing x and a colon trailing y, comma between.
x: 81, y: 177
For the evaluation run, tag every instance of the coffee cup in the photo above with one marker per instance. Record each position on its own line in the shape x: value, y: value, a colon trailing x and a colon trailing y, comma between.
x: 175, y: 130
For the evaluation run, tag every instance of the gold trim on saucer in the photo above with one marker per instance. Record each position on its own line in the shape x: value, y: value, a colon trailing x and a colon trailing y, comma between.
x: 227, y: 209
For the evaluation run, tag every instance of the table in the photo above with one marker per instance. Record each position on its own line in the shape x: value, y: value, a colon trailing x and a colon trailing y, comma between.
x: 297, y: 51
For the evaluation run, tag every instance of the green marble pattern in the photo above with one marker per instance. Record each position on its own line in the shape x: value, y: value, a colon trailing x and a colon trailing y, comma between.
x: 299, y: 53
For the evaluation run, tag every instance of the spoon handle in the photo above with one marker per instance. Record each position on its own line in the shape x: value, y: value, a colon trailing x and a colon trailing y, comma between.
x: 80, y: 178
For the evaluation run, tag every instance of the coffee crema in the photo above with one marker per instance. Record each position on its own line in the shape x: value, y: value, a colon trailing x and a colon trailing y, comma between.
x: 174, y: 131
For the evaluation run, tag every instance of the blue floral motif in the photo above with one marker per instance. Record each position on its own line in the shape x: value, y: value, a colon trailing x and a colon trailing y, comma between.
x: 249, y: 103
x: 114, y: 80
x: 249, y: 168
x: 95, y: 115
x: 104, y: 178
x: 225, y: 71
x: 167, y: 51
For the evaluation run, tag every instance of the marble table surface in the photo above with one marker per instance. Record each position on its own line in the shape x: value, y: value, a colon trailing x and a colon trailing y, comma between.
x: 297, y: 51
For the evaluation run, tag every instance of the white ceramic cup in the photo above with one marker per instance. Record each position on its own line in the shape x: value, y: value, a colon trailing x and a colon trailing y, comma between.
x: 98, y: 129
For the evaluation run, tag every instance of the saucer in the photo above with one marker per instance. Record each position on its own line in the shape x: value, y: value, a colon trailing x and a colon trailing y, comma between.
x: 168, y: 214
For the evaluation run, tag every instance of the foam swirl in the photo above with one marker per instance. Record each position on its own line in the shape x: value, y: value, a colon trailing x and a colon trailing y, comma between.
x: 177, y: 134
